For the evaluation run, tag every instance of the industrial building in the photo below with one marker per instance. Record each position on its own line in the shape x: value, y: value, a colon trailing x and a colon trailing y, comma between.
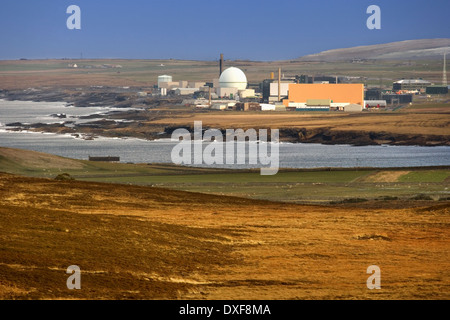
x: 246, y: 106
x: 222, y: 105
x: 397, y: 98
x: 323, y: 79
x: 373, y: 94
x: 267, y: 107
x: 353, y: 108
x: 185, y: 91
x: 323, y: 96
x: 269, y: 87
x: 411, y: 85
x: 227, y: 92
x: 373, y: 99
x: 231, y: 84
x: 437, y: 90
x: 273, y: 90
x: 369, y: 104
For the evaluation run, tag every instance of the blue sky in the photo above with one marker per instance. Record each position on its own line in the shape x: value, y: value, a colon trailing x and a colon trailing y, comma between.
x: 202, y: 29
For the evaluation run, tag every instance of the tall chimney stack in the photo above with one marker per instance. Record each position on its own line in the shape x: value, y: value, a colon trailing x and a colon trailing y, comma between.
x: 221, y: 64
x: 279, y: 84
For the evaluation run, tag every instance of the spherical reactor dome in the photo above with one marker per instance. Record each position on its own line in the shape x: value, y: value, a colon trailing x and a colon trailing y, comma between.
x: 233, y: 78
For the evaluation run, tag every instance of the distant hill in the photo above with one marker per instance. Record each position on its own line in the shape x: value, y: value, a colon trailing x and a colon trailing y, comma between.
x: 409, y: 49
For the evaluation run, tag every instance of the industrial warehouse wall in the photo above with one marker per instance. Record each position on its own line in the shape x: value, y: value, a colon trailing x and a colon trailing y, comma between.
x: 338, y: 93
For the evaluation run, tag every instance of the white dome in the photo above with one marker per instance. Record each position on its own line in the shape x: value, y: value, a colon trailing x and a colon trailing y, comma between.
x: 233, y: 78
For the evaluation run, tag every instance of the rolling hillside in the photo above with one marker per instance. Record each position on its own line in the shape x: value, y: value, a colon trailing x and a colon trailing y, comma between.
x: 409, y: 49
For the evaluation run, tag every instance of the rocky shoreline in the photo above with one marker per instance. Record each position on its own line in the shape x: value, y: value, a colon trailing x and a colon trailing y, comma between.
x: 361, y: 138
x: 137, y: 122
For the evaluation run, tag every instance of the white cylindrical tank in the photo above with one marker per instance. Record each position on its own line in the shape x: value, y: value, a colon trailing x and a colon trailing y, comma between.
x: 164, y: 78
x: 233, y: 78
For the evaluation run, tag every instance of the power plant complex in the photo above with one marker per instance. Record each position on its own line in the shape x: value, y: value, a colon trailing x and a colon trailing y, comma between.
x: 298, y: 93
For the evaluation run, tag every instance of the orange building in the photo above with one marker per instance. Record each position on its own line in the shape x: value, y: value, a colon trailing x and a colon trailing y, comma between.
x: 346, y: 93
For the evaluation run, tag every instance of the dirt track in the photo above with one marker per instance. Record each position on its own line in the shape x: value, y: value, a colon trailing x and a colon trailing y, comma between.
x: 147, y: 243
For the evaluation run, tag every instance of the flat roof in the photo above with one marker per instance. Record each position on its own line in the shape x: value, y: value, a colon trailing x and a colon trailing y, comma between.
x: 412, y: 81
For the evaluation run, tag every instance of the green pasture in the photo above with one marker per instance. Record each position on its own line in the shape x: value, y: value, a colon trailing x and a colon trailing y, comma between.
x: 302, y: 186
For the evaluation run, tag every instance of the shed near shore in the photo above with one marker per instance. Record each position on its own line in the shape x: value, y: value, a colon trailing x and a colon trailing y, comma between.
x: 106, y: 159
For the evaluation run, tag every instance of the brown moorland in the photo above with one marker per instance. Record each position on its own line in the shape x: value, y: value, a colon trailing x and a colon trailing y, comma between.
x: 134, y: 242
x: 399, y: 123
x: 17, y: 74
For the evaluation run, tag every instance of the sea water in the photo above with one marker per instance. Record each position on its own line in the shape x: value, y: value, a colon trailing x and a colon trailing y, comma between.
x: 291, y: 155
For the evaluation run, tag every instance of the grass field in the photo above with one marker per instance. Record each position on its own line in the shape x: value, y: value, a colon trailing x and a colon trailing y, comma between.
x: 299, y: 186
x: 34, y: 73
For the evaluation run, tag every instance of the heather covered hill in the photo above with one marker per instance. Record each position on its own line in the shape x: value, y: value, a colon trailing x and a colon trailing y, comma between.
x: 409, y: 49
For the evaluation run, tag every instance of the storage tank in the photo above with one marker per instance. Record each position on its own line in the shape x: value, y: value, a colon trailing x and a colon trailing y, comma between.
x: 164, y: 78
x: 233, y: 78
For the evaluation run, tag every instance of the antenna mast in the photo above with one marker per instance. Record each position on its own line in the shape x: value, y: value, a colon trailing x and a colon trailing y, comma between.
x: 444, y: 75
